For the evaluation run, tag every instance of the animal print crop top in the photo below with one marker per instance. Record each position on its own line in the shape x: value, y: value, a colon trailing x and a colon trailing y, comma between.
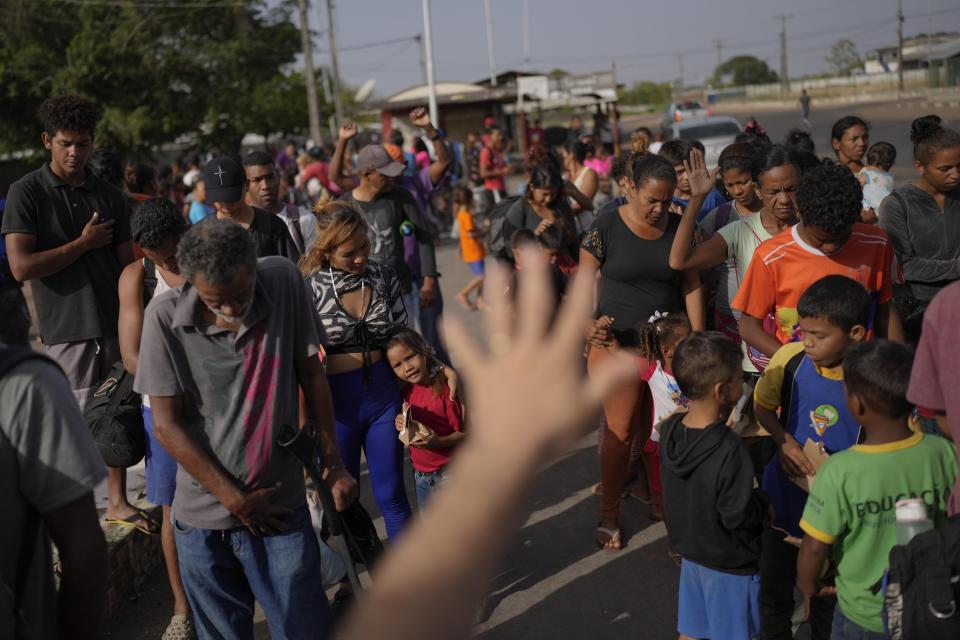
x: 382, y: 317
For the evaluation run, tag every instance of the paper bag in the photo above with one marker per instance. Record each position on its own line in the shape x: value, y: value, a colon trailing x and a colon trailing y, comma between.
x: 413, y: 433
x: 817, y: 456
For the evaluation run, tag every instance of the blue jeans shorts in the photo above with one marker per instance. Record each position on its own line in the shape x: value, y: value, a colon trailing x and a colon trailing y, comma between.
x: 427, y: 482
x: 476, y: 268
x: 161, y: 467
x: 846, y: 629
x: 714, y: 604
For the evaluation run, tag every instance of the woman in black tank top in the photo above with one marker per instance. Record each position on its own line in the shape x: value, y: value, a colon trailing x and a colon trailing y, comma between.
x: 631, y: 249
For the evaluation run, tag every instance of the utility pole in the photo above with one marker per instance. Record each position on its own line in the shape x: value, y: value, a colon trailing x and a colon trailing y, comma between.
x: 526, y: 36
x: 310, y: 79
x: 784, y: 77
x: 930, y: 75
x: 334, y: 68
x: 899, y: 48
x: 718, y: 45
x: 428, y: 54
x: 490, y: 59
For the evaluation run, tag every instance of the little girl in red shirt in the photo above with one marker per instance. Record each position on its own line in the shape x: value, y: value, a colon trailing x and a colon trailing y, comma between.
x: 426, y: 393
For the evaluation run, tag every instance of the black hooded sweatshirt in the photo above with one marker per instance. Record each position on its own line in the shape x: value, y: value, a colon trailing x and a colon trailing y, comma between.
x: 714, y: 515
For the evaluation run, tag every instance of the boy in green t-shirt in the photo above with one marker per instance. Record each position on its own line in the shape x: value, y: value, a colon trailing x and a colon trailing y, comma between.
x: 852, y: 503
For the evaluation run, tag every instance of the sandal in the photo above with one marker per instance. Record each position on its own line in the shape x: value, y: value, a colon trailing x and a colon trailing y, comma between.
x: 150, y: 527
x: 180, y: 628
x: 613, y: 542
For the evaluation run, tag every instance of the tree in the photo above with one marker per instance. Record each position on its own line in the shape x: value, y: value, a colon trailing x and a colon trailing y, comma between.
x: 558, y: 73
x: 745, y: 70
x: 844, y: 58
x: 202, y: 72
x: 648, y: 93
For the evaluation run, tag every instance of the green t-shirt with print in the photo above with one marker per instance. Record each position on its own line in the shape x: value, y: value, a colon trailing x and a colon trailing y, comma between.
x: 852, y: 506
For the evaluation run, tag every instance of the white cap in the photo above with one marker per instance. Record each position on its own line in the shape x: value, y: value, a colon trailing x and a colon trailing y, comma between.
x: 911, y: 510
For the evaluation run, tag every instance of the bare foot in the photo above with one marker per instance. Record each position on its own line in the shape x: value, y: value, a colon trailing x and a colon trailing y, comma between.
x: 608, y: 537
x: 465, y: 302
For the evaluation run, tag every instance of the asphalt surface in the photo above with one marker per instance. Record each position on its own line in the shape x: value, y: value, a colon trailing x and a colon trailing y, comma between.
x: 555, y: 583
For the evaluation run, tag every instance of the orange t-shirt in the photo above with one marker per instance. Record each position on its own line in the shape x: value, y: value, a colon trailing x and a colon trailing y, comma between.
x: 784, y: 266
x: 470, y: 247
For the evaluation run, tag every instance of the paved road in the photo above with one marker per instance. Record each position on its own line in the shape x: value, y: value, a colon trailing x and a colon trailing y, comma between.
x: 555, y: 583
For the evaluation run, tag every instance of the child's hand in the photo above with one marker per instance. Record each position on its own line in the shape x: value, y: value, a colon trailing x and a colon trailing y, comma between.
x: 793, y: 460
x: 425, y: 441
x: 400, y: 423
x: 599, y: 334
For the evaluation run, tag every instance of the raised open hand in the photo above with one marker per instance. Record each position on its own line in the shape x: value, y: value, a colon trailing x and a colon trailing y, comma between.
x: 701, y: 179
x: 530, y: 396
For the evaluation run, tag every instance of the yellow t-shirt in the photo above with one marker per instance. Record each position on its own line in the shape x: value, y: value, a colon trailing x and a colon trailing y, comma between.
x: 769, y: 387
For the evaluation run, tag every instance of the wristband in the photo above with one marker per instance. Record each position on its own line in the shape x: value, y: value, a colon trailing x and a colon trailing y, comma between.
x: 439, y: 135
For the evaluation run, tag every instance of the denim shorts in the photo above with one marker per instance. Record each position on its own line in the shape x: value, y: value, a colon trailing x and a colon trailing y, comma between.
x: 477, y: 268
x: 714, y: 604
x: 161, y: 467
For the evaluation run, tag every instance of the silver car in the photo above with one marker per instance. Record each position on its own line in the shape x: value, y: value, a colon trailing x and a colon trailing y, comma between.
x: 682, y: 110
x: 714, y: 132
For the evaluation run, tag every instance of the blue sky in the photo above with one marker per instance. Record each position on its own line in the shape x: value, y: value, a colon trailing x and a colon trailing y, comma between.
x: 642, y: 36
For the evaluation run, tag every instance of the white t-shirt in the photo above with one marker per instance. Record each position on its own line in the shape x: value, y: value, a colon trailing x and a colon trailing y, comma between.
x: 667, y: 397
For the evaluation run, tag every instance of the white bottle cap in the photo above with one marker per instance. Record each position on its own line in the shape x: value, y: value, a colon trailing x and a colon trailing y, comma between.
x: 911, y: 510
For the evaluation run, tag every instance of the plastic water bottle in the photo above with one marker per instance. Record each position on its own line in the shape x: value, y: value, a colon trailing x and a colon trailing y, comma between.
x: 911, y: 519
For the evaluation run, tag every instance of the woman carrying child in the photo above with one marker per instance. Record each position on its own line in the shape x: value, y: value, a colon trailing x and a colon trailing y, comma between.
x: 427, y: 396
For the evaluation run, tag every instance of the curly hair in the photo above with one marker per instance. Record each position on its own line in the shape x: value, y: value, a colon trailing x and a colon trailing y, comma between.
x: 661, y: 332
x: 830, y: 198
x: 154, y: 222
x: 69, y: 112
x: 216, y: 249
x: 337, y: 222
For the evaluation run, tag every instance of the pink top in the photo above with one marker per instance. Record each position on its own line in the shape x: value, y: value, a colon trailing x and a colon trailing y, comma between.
x: 602, y: 167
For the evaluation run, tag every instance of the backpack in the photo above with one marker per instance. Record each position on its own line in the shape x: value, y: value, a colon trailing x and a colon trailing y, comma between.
x: 498, y: 243
x: 921, y: 588
x: 114, y: 414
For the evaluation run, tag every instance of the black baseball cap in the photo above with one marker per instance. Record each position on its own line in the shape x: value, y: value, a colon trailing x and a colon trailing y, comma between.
x: 224, y: 179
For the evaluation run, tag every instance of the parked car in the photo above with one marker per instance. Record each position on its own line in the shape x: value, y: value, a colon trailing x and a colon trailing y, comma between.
x: 715, y: 132
x: 680, y: 111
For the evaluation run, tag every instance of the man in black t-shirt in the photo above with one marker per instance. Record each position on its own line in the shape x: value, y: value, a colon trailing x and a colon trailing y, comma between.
x: 68, y: 232
x: 226, y: 185
x: 386, y: 210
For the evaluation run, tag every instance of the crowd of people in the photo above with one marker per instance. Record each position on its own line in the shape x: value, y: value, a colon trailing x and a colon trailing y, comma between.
x: 739, y: 331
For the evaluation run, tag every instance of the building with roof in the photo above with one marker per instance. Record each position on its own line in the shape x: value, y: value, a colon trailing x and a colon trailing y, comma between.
x: 918, y: 51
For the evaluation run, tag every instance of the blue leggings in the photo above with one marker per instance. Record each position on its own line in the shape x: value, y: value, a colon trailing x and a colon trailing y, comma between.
x: 366, y: 418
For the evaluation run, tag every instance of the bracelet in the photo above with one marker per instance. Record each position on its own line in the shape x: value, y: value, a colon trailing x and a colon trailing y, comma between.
x: 336, y: 467
x: 439, y: 135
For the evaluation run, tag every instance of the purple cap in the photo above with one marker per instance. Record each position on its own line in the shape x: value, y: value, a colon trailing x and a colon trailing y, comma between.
x: 374, y: 156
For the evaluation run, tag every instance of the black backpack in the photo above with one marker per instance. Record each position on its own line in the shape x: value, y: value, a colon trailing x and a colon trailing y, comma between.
x: 114, y: 413
x: 922, y: 586
x: 498, y: 243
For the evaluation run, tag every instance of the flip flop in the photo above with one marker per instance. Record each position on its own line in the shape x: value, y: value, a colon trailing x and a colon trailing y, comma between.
x: 151, y: 528
x: 613, y: 534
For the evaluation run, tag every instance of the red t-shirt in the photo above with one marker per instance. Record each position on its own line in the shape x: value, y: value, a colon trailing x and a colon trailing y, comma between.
x: 492, y: 159
x: 784, y: 266
x: 440, y: 413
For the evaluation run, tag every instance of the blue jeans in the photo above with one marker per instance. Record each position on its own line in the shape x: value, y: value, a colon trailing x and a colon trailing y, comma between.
x: 427, y: 483
x: 429, y: 318
x: 846, y: 629
x: 225, y: 571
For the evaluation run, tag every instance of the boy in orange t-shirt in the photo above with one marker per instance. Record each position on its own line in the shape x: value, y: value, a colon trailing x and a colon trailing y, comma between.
x: 829, y: 240
x: 471, y: 248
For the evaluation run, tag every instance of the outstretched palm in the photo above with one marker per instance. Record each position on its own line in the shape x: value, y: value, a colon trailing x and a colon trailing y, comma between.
x: 701, y: 180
